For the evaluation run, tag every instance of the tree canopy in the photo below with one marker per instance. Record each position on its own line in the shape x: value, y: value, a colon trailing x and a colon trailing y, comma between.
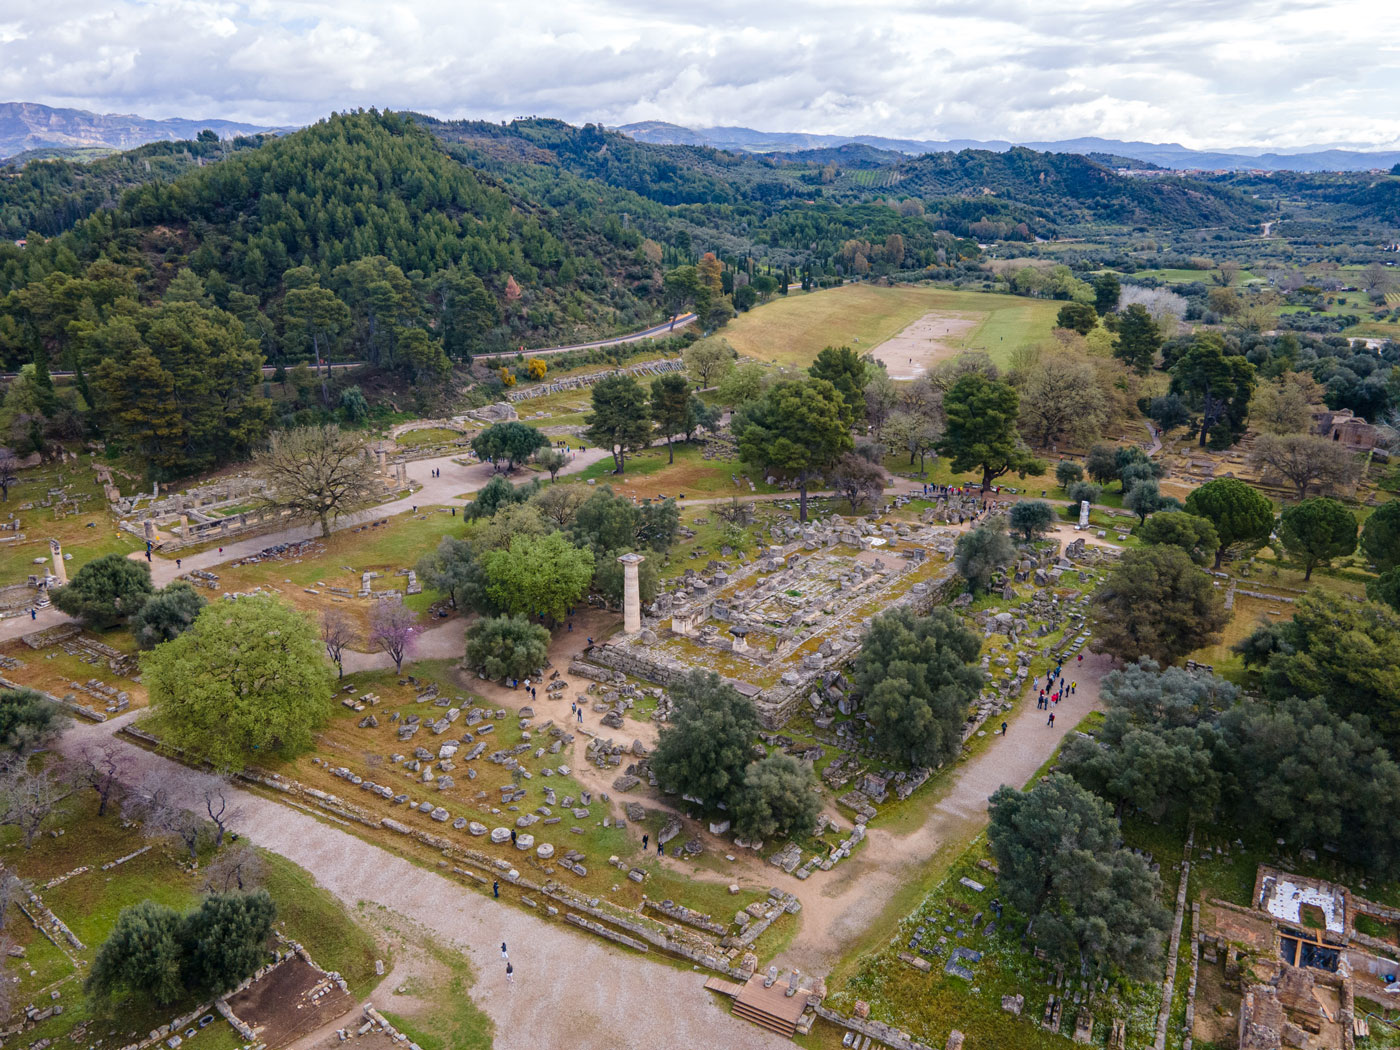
x: 779, y: 797
x: 1178, y: 528
x: 507, y: 647
x: 106, y: 591
x: 1061, y: 866
x: 513, y: 442
x: 167, y: 614
x: 1243, y: 517
x: 798, y: 430
x: 980, y: 552
x: 538, y: 575
x: 621, y: 419
x: 1316, y: 531
x: 248, y: 679
x: 981, y: 432
x: 844, y: 370
x: 918, y: 676
x: 1156, y: 602
x: 704, y: 750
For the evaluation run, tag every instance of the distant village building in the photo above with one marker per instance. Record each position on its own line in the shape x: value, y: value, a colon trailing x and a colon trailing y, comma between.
x: 1346, y: 429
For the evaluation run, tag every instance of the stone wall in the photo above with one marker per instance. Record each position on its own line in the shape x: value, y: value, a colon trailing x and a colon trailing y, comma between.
x: 583, y: 382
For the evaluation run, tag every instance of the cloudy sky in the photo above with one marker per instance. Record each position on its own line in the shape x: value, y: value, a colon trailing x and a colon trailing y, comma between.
x: 1206, y: 73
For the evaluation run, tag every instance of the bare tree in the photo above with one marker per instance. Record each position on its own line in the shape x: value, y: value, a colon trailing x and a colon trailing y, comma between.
x: 1307, y: 459
x: 152, y: 802
x: 858, y: 479
x: 214, y: 792
x: 393, y: 628
x: 9, y: 472
x: 239, y: 867
x: 103, y: 768
x: 28, y: 799
x: 337, y: 632
x: 316, y: 473
x: 559, y: 503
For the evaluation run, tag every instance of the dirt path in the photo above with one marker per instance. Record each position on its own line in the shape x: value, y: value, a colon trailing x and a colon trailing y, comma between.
x: 570, y: 989
x: 922, y: 344
x: 843, y: 910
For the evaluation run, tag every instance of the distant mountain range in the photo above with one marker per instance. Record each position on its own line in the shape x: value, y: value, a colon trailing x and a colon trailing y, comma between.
x: 28, y: 126
x: 31, y: 128
x: 1164, y: 155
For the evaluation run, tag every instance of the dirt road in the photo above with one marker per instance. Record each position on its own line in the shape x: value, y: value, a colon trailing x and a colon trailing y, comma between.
x: 841, y: 911
x: 570, y: 989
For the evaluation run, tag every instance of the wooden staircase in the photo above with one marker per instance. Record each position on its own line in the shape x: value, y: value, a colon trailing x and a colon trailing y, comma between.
x: 769, y: 1008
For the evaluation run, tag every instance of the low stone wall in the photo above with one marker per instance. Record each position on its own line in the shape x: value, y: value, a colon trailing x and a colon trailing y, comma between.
x: 583, y: 382
x: 878, y: 1031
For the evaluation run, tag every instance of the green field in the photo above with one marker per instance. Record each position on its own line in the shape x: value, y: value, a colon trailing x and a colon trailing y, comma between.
x: 792, y: 330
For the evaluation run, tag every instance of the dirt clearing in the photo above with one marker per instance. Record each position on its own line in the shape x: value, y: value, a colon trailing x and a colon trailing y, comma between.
x: 932, y: 338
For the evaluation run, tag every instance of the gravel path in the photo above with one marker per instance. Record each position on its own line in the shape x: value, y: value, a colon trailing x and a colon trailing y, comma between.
x: 570, y: 989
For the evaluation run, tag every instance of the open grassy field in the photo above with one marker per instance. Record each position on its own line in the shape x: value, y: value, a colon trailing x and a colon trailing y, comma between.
x: 791, y: 331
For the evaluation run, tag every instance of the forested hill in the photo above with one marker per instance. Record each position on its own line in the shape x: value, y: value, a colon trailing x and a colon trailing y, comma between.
x: 49, y: 196
x: 358, y: 237
x: 1047, y: 191
x: 1075, y: 189
x: 358, y: 203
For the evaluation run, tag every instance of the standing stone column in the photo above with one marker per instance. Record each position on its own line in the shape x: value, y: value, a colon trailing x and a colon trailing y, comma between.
x: 631, y: 593
x: 60, y: 571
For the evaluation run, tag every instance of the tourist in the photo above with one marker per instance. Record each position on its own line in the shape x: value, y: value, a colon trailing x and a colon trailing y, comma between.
x: 580, y: 716
x: 644, y: 842
x: 658, y: 848
x: 505, y: 956
x: 1072, y: 687
x: 1003, y: 729
x: 177, y: 563
x: 33, y: 614
x: 512, y: 834
x: 510, y: 974
x: 496, y: 890
x: 1051, y: 722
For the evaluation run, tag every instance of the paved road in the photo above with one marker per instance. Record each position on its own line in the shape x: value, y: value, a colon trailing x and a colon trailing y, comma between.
x: 665, y: 328
x: 571, y: 989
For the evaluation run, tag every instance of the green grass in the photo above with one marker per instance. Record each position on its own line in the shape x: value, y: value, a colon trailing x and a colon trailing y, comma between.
x: 315, y: 918
x: 929, y: 1005
x: 90, y: 903
x: 650, y: 473
x: 792, y: 329
x: 453, y: 1022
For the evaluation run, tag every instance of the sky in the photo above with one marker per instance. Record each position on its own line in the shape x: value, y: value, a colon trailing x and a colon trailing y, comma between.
x: 1204, y: 73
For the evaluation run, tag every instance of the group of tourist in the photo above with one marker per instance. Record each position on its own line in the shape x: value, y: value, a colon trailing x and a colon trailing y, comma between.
x: 1055, y: 690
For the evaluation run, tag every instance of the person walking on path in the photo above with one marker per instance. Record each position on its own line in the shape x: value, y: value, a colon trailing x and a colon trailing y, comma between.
x: 644, y: 842
x: 510, y: 974
x: 505, y: 956
x: 1051, y: 720
x: 1003, y: 729
x: 1072, y: 687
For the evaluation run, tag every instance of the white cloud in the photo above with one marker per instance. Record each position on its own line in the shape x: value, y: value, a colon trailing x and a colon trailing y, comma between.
x: 1201, y: 72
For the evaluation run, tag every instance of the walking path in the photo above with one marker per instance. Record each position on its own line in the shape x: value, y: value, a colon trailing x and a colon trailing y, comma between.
x: 844, y: 910
x: 570, y: 989
x: 664, y: 328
